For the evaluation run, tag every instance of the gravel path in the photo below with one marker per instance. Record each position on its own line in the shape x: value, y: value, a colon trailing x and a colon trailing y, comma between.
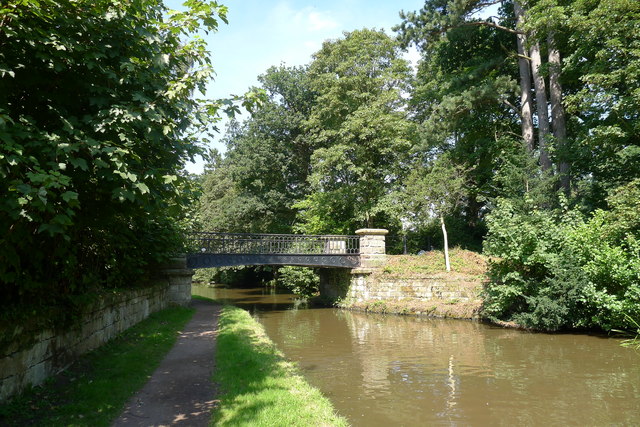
x: 180, y: 391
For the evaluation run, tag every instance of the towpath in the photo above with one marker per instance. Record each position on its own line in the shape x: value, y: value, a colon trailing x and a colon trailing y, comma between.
x: 180, y: 391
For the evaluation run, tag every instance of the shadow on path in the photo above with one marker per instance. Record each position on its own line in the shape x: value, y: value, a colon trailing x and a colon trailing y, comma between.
x: 180, y: 391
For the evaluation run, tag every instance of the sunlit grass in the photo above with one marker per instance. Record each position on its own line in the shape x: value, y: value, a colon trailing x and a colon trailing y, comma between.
x: 259, y: 387
x: 94, y: 390
x: 462, y: 261
x: 634, y: 340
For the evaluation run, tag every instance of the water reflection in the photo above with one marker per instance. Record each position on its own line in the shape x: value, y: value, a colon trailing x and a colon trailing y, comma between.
x: 391, y: 370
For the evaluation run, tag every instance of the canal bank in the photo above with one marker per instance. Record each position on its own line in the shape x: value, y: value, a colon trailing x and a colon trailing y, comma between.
x: 417, y: 285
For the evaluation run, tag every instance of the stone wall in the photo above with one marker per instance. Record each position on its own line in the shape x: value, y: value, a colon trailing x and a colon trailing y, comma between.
x: 437, y: 295
x: 31, y: 356
x: 372, y: 286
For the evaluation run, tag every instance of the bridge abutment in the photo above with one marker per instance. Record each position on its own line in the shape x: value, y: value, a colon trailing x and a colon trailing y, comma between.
x: 178, y: 276
x: 334, y: 283
x: 339, y: 283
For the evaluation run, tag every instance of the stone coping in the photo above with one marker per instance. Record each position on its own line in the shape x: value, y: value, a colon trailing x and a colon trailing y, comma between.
x: 363, y: 270
x: 372, y: 232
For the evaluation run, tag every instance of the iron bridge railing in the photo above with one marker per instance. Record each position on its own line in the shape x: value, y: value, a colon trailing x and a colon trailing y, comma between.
x: 273, y: 244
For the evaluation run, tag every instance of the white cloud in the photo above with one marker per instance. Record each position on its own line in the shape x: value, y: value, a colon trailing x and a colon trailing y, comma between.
x: 295, y: 22
x: 321, y: 21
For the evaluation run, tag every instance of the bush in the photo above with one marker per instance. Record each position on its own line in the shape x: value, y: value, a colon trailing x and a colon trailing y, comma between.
x: 301, y: 281
x: 557, y: 270
x: 529, y: 246
x: 97, y: 119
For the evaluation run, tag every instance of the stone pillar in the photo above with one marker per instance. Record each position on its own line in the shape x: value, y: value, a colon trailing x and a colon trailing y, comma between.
x: 179, y: 278
x: 372, y: 247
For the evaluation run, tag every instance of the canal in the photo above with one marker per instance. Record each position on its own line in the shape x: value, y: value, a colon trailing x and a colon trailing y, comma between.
x: 407, y: 371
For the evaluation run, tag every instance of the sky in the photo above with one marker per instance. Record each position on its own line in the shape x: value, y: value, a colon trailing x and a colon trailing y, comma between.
x: 263, y: 33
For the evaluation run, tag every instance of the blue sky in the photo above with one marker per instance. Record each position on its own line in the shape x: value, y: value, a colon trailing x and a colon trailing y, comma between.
x: 265, y: 33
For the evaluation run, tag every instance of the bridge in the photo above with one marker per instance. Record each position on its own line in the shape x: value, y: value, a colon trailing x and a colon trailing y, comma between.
x: 332, y: 251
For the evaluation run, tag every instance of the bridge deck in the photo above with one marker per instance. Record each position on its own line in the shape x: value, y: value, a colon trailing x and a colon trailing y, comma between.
x: 233, y: 249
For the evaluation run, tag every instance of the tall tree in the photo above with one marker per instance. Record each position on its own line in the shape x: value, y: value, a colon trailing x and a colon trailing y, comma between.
x: 98, y: 115
x: 559, y: 121
x: 599, y: 78
x: 466, y: 98
x: 524, y: 68
x: 439, y: 18
x: 359, y: 128
x: 542, y: 105
x: 267, y: 161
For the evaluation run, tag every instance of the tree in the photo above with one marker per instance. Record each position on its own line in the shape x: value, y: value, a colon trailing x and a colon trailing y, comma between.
x: 98, y: 116
x: 254, y: 188
x: 440, y: 19
x: 524, y: 68
x: 435, y: 192
x: 359, y: 130
x: 601, y: 74
x: 466, y: 101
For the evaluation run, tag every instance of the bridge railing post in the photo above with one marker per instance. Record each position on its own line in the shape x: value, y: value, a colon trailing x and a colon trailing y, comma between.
x: 372, y: 247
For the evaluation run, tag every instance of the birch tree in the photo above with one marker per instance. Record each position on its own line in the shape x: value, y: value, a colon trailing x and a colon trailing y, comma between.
x: 436, y: 192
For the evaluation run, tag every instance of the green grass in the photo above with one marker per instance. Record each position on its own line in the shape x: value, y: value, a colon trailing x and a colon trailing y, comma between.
x: 634, y: 336
x: 462, y: 261
x: 93, y: 391
x: 258, y: 386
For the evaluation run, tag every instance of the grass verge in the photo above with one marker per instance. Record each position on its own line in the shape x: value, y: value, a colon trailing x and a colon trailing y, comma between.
x: 462, y: 261
x: 93, y: 391
x: 258, y: 386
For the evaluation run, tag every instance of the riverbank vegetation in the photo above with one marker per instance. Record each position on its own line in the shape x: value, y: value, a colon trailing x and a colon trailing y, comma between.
x: 258, y: 386
x: 94, y: 390
x: 528, y: 112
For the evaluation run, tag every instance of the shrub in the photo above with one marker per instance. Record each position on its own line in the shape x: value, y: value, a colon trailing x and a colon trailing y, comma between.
x: 301, y: 281
x: 557, y: 270
x: 97, y: 119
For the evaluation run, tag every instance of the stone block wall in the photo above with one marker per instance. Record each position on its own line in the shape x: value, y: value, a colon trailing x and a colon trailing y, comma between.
x: 334, y: 283
x: 32, y: 356
x: 365, y: 286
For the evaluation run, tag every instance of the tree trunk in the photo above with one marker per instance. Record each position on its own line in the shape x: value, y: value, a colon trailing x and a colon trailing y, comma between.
x: 559, y: 122
x: 526, y: 105
x: 446, y: 244
x: 542, y: 106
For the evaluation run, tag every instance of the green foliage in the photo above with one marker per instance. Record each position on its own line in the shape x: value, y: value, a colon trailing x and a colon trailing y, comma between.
x: 532, y: 246
x: 325, y: 148
x: 360, y: 131
x: 434, y: 192
x: 466, y: 96
x: 557, y: 270
x: 634, y: 340
x: 301, y: 281
x: 354, y: 139
x: 254, y: 188
x: 603, y: 66
x: 97, y: 119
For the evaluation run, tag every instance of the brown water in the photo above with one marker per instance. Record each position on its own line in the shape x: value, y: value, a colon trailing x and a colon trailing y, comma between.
x: 407, y: 371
